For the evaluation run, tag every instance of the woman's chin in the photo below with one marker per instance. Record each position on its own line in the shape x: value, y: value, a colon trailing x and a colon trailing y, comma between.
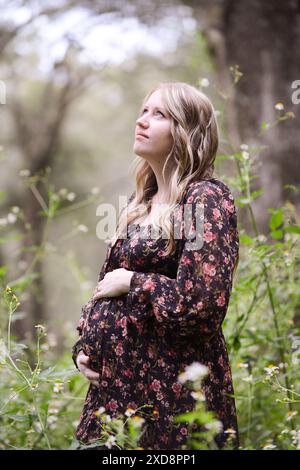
x: 140, y: 153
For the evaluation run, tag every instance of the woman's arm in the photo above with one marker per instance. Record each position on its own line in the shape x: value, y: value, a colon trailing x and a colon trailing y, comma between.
x: 197, y: 300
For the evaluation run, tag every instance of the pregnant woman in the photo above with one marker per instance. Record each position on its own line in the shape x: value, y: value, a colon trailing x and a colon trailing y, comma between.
x: 160, y: 300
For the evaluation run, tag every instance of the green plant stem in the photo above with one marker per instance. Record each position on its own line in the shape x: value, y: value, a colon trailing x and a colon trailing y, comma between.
x: 249, y: 410
x: 270, y: 294
x: 41, y: 421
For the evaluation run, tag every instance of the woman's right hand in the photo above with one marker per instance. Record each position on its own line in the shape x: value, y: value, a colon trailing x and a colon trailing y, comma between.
x: 83, y: 363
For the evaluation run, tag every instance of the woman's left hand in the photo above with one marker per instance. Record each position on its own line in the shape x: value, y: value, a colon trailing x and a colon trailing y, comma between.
x: 114, y: 283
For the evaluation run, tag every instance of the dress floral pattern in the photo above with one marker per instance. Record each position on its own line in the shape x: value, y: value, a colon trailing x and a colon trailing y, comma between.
x: 141, y: 341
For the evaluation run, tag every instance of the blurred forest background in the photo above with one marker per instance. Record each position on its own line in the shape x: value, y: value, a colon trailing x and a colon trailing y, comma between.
x: 73, y: 75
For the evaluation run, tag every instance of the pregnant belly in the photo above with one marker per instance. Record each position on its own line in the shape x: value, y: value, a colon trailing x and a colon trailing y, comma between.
x: 105, y: 327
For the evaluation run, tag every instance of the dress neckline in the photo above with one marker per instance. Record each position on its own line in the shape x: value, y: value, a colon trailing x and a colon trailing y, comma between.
x: 213, y: 179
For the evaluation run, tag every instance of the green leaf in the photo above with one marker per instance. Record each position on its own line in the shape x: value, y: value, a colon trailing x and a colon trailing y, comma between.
x: 277, y: 234
x: 187, y: 417
x: 292, y: 229
x: 47, y: 373
x: 236, y: 343
x: 291, y: 186
x: 220, y: 158
x: 257, y: 193
x: 276, y: 219
x: 240, y: 318
x: 3, y: 271
x: 18, y: 418
x: 245, y: 239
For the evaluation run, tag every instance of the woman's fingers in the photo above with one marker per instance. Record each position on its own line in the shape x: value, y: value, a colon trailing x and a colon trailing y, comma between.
x: 87, y: 371
x: 97, y: 293
x: 97, y: 296
x: 90, y: 374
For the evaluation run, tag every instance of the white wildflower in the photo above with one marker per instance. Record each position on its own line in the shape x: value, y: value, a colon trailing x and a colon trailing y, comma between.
x: 199, y: 396
x: 244, y: 147
x: 295, y: 433
x: 95, y: 190
x: 285, y: 431
x: 58, y: 387
x: 71, y: 196
x: 279, y: 106
x: 271, y: 370
x: 269, y: 447
x: 40, y: 327
x: 215, y: 426
x: 283, y: 365
x: 82, y: 228
x: 262, y: 238
x: 106, y: 419
x: 242, y: 365
x: 11, y: 218
x: 129, y: 412
x: 38, y: 426
x: 204, y: 82
x: 110, y: 442
x: 193, y: 372
x: 137, y: 421
x: 24, y: 172
x: 230, y: 431
x: 51, y: 421
x: 63, y: 192
x: 290, y: 415
x: 248, y: 379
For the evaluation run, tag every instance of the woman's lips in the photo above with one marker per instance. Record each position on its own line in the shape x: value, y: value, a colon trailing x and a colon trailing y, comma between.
x: 141, y: 136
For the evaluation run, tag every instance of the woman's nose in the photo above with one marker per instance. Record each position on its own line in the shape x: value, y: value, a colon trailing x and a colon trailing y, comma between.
x: 142, y: 122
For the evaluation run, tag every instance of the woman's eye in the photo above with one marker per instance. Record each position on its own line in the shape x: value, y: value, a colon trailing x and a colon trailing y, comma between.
x: 156, y: 111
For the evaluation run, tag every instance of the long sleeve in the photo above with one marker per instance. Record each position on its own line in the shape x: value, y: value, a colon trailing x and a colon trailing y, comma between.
x: 197, y: 300
x: 86, y: 308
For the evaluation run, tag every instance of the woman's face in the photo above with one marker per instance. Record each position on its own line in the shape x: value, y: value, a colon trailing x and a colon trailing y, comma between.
x: 155, y: 123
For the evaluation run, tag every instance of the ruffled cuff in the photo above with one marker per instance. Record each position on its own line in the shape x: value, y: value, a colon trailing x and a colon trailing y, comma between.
x: 139, y: 296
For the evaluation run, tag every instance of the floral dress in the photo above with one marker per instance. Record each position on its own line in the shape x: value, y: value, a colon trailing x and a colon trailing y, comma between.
x: 172, y: 316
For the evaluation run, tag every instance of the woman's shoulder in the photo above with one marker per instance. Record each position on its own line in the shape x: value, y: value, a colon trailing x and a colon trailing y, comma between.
x: 213, y: 186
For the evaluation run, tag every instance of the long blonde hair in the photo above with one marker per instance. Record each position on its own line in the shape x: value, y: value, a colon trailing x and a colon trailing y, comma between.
x: 195, y: 142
